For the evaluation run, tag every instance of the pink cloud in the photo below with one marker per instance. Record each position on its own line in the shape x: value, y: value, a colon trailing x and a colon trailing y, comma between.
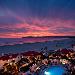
x: 37, y: 27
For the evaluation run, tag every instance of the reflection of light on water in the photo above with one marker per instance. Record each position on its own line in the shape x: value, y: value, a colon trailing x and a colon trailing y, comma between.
x: 54, y: 70
x: 47, y: 73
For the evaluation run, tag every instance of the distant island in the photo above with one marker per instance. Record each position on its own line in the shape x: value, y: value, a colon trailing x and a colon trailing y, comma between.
x: 49, y: 37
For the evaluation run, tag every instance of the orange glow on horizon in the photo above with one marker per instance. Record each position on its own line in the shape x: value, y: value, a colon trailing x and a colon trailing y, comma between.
x: 34, y: 34
x: 39, y: 28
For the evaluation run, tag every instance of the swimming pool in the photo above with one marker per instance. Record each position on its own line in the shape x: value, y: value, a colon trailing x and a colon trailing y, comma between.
x: 53, y: 70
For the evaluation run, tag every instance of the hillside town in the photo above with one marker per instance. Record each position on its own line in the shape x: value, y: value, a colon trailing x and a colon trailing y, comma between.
x: 34, y: 63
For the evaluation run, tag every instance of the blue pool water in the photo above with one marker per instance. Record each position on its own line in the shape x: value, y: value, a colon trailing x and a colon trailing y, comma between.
x: 54, y: 70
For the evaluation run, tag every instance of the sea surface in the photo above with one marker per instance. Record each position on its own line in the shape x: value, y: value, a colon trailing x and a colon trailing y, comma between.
x: 12, y: 41
x: 19, y: 45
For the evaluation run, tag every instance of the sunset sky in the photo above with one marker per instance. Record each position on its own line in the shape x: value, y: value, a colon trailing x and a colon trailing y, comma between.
x: 20, y: 18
